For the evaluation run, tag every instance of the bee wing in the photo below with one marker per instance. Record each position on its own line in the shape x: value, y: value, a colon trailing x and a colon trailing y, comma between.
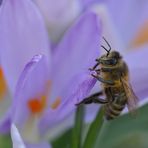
x: 132, y: 99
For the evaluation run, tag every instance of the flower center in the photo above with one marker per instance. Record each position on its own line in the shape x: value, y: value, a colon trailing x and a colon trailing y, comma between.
x: 37, y: 104
x: 3, y: 86
x: 142, y: 36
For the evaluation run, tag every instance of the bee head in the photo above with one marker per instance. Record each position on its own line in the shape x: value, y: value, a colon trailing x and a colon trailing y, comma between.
x: 111, y: 59
x: 115, y: 54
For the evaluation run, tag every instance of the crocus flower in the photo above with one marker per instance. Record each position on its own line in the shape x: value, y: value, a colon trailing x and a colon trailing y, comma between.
x: 135, y: 57
x: 45, y: 91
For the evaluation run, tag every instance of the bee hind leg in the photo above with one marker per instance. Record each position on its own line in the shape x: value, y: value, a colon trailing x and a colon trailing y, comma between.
x: 93, y: 99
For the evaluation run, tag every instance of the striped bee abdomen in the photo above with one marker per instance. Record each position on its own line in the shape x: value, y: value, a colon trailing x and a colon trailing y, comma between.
x: 112, y: 110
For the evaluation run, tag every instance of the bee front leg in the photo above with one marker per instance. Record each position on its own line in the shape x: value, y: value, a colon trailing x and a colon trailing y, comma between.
x: 98, y: 71
x: 110, y: 82
x: 94, y: 67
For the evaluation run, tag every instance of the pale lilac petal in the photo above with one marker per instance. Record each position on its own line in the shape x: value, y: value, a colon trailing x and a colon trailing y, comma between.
x: 22, y: 35
x: 138, y: 67
x: 58, y: 15
x: 5, y: 122
x: 77, y: 90
x: 128, y: 16
x: 77, y: 51
x: 109, y: 29
x: 88, y: 3
x: 31, y: 84
x: 16, y: 138
x: 19, y: 143
x: 5, y: 103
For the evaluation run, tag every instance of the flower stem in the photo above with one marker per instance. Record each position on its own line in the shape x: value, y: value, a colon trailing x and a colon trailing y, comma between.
x: 77, y: 130
x: 94, y: 130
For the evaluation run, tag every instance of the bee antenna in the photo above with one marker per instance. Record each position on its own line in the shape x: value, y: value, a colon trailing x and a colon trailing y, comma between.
x: 108, y: 46
x: 104, y: 48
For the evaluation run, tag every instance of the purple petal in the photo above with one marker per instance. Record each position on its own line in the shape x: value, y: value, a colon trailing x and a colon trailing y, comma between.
x: 5, y: 100
x: 32, y: 84
x: 58, y: 15
x: 88, y: 3
x: 5, y: 123
x: 137, y: 62
x: 109, y: 29
x: 77, y: 90
x: 128, y: 12
x: 22, y: 35
x: 19, y: 143
x: 77, y: 51
x: 16, y: 138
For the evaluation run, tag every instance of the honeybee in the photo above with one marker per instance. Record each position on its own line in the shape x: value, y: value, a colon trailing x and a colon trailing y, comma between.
x: 113, y: 74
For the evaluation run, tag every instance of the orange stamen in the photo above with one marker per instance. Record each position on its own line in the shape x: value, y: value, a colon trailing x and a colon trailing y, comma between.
x: 37, y: 105
x: 3, y: 86
x: 141, y: 37
x: 56, y: 103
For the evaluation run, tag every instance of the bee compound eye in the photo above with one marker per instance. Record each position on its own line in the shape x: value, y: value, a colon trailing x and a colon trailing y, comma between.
x: 112, y: 62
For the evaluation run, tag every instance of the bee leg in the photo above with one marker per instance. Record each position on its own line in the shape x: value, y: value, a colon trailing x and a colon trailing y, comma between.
x: 100, y: 101
x: 85, y: 101
x: 98, y: 71
x: 110, y: 82
x: 97, y: 94
x: 94, y: 67
x: 93, y: 99
x: 109, y: 94
x: 89, y: 99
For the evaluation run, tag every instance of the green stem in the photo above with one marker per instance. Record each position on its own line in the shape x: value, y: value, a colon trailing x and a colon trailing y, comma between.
x: 94, y: 130
x: 77, y: 130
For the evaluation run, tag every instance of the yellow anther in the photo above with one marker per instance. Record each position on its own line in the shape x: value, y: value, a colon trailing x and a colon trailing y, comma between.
x: 56, y: 103
x: 37, y: 104
x: 142, y: 36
